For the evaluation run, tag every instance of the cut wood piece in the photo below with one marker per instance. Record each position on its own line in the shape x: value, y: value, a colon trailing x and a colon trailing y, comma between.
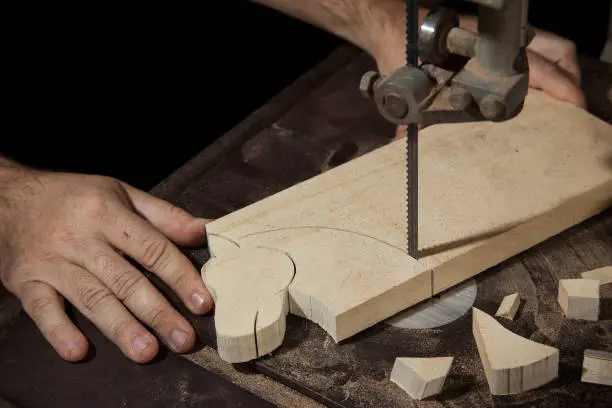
x: 251, y: 302
x: 603, y: 275
x: 597, y: 367
x: 508, y: 307
x: 421, y: 377
x: 512, y: 364
x: 579, y: 298
x: 487, y: 192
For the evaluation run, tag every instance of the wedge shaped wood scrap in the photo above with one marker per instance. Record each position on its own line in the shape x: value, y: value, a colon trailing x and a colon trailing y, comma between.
x: 597, y: 367
x: 512, y: 364
x: 509, y: 306
x: 487, y: 192
x: 421, y: 377
x: 579, y: 298
x: 603, y: 275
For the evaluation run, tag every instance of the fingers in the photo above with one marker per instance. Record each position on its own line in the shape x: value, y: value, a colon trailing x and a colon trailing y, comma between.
x: 46, y: 308
x: 177, y: 224
x: 559, y: 51
x: 571, y: 67
x: 141, y: 297
x: 138, y: 239
x: 551, y: 79
x: 103, y: 309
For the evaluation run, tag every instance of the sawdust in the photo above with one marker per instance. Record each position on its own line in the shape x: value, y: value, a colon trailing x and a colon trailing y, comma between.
x: 252, y: 381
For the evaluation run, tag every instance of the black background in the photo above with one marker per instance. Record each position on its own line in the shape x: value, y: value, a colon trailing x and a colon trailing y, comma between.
x: 133, y: 90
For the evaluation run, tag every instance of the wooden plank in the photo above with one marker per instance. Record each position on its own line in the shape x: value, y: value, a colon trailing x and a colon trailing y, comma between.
x: 488, y: 192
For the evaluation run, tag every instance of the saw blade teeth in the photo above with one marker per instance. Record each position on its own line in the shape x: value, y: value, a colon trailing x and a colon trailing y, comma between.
x: 412, y: 57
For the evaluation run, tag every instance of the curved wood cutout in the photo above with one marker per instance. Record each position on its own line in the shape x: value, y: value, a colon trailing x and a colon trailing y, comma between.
x: 251, y: 302
x: 365, y: 280
x: 512, y: 364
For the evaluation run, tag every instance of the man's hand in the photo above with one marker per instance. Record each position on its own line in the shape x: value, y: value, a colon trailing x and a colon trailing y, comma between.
x: 553, y: 67
x: 63, y: 235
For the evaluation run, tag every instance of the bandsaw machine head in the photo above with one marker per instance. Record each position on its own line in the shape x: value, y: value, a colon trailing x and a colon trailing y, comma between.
x: 484, y: 75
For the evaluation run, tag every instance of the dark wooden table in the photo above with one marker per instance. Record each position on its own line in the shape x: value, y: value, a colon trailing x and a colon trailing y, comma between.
x: 314, y: 125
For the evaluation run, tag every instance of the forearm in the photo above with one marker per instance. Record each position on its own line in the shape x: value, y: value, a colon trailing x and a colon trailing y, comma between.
x: 364, y: 23
x: 6, y: 162
x: 375, y: 26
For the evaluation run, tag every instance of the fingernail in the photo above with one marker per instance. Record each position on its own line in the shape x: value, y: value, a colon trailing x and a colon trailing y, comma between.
x: 179, y: 339
x: 141, y: 343
x: 197, y: 299
x: 71, y: 348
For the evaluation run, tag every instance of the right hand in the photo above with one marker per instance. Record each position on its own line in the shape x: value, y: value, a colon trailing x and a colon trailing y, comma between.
x: 63, y: 235
x: 554, y: 68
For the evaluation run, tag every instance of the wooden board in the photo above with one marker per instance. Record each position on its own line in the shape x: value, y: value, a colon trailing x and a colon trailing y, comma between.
x: 488, y: 191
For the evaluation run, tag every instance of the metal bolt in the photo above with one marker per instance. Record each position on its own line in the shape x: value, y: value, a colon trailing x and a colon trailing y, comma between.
x: 367, y: 84
x: 492, y: 107
x: 395, y: 105
x: 460, y: 98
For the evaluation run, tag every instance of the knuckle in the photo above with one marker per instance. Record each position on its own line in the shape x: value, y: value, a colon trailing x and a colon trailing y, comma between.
x: 157, y: 317
x: 39, y: 307
x: 125, y: 285
x: 156, y: 254
x: 18, y: 278
x: 93, y: 297
x: 95, y: 205
x: 179, y: 280
x: 119, y: 328
x: 570, y: 48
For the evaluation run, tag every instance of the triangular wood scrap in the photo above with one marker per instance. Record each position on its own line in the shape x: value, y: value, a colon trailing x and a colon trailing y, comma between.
x: 421, y: 377
x: 509, y: 306
x: 512, y: 364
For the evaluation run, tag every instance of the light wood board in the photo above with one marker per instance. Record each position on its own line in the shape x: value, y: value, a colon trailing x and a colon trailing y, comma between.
x: 487, y: 192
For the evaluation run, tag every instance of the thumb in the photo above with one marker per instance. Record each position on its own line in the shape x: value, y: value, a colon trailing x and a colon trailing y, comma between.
x: 175, y: 223
x: 551, y: 79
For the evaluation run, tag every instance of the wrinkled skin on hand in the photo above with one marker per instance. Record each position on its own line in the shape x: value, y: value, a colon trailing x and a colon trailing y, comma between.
x: 62, y: 236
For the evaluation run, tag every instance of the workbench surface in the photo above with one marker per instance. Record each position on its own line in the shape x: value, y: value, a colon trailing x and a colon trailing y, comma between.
x: 320, y: 122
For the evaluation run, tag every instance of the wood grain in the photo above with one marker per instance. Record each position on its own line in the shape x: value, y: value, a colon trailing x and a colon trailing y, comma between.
x: 488, y: 191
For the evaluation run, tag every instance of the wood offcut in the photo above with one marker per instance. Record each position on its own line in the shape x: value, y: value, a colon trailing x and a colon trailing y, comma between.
x: 509, y: 306
x: 512, y: 364
x: 421, y: 377
x: 579, y: 298
x: 597, y: 367
x: 603, y: 275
